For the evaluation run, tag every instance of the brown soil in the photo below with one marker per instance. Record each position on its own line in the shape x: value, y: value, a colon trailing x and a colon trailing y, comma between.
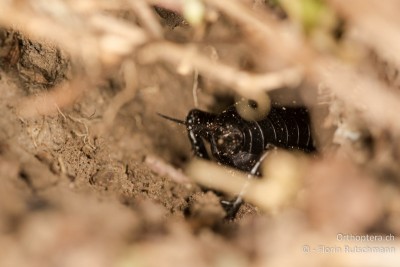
x: 93, y: 199
x: 74, y: 192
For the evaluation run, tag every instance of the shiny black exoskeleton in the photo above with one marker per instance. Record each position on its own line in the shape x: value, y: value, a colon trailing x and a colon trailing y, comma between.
x: 239, y: 143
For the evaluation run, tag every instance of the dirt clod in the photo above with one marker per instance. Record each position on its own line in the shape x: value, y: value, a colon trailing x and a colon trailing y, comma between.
x: 205, y: 209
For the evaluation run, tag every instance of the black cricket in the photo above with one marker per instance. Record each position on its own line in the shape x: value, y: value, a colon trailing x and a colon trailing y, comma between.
x: 240, y: 143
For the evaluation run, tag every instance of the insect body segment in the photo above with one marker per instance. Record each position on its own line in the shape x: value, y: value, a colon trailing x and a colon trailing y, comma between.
x: 239, y: 143
x: 199, y: 126
x: 243, y: 144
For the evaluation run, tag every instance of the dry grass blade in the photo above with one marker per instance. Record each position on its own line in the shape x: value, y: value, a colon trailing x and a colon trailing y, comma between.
x: 257, y: 46
x: 123, y: 97
x: 105, y: 37
x: 270, y: 194
x: 374, y: 23
x: 244, y: 83
x: 49, y: 103
x: 379, y: 105
x: 161, y: 167
x: 147, y: 18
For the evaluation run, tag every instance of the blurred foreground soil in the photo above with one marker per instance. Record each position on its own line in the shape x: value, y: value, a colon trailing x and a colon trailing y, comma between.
x: 80, y: 189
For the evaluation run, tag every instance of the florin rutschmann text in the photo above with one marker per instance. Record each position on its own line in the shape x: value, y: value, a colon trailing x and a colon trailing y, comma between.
x: 349, y: 243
